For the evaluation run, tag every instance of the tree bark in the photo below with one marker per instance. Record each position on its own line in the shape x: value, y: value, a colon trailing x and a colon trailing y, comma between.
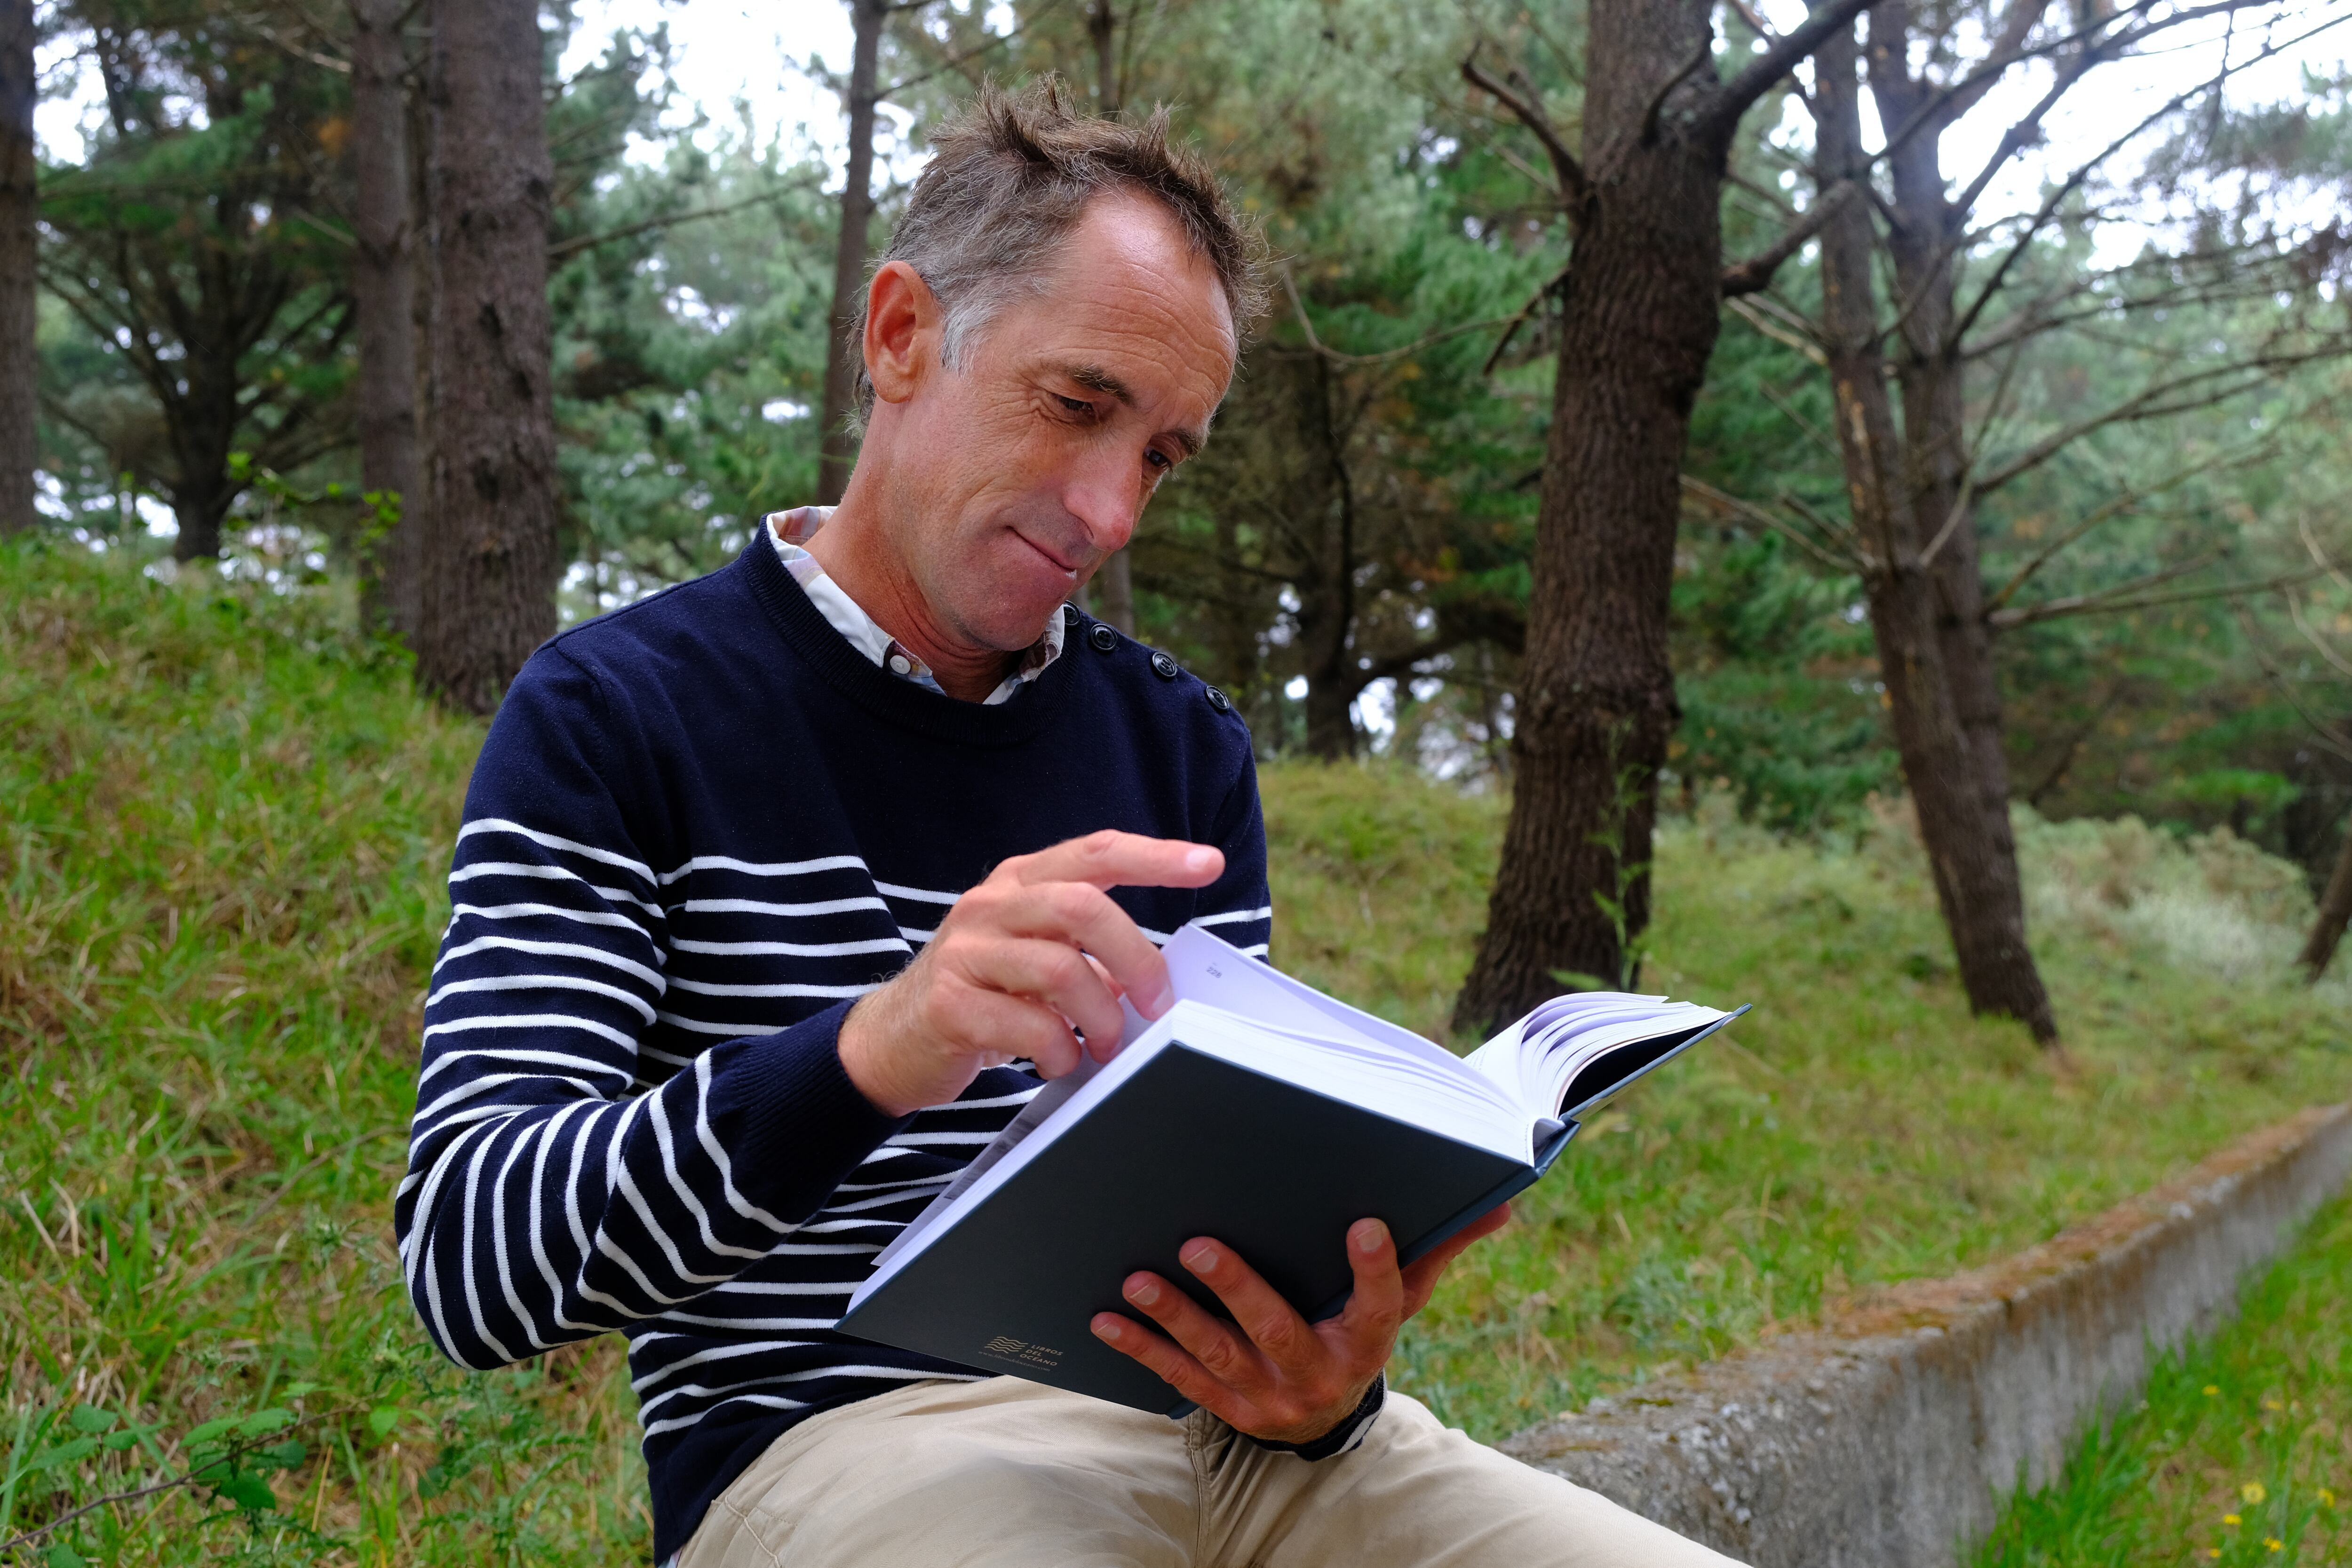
x: 2335, y: 913
x: 19, y: 258
x: 1908, y: 486
x: 383, y: 292
x: 1114, y: 582
x: 1639, y: 312
x: 1327, y: 613
x: 844, y: 357
x: 491, y: 560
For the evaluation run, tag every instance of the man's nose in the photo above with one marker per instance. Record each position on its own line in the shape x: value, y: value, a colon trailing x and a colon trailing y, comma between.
x: 1106, y: 498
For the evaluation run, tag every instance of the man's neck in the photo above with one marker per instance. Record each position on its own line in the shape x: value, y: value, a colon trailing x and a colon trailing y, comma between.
x: 853, y: 548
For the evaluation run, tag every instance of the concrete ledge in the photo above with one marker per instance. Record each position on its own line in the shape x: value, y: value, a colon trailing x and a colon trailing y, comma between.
x: 1888, y: 1438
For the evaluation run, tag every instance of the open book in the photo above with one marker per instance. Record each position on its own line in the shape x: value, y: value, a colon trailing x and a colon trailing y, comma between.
x: 1259, y: 1111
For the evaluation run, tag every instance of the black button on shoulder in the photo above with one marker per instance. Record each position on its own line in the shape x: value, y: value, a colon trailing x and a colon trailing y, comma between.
x: 1218, y: 699
x: 1163, y: 666
x: 1103, y: 638
x: 1070, y: 617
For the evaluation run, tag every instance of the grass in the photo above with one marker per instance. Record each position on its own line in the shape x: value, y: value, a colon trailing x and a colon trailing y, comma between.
x: 2237, y: 1454
x: 223, y: 824
x: 1859, y: 1127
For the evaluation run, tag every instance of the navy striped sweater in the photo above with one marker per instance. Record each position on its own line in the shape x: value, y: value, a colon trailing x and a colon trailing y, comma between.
x: 701, y: 828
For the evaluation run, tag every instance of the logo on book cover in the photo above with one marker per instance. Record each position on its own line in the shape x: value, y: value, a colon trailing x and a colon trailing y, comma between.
x: 1004, y: 1347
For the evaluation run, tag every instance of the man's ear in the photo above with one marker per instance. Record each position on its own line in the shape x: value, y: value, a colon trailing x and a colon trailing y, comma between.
x: 902, y: 332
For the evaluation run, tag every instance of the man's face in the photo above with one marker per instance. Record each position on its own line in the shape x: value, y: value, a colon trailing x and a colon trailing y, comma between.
x: 1021, y: 469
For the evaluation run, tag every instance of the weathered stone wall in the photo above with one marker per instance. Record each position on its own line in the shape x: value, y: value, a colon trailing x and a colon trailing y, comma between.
x: 1889, y: 1439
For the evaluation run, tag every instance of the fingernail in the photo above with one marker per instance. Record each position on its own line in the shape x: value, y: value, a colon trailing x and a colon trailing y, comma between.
x: 1369, y: 1235
x: 1143, y: 1293
x: 1161, y: 1001
x: 1106, y: 1329
x: 1202, y: 860
x: 1201, y: 1260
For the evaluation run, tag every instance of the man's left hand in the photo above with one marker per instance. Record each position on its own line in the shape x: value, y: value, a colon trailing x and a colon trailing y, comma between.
x: 1270, y: 1373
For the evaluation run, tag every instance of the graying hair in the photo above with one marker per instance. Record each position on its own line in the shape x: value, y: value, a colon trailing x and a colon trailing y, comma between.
x: 1011, y: 176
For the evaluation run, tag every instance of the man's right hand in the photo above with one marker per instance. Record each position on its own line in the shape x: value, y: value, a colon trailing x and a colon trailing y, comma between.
x: 1036, y: 948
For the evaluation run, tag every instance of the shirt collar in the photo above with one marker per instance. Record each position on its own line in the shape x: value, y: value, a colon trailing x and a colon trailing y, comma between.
x: 789, y: 531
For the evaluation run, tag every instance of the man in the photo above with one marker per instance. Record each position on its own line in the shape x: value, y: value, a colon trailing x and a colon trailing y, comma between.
x: 780, y: 893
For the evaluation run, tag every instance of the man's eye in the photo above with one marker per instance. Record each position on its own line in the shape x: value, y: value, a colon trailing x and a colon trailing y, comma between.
x: 1076, y: 405
x: 1159, y: 459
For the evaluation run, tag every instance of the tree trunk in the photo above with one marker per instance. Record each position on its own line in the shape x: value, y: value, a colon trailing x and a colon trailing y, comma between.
x: 383, y: 293
x: 2335, y: 913
x: 1639, y: 312
x: 19, y: 210
x: 491, y: 561
x: 1925, y: 587
x: 1327, y: 613
x: 843, y: 358
x: 1114, y: 582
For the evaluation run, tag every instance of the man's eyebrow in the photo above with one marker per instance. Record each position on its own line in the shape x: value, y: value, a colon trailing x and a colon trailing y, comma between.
x: 1093, y: 378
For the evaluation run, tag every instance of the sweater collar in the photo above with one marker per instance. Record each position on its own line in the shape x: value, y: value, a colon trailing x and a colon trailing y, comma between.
x: 888, y: 697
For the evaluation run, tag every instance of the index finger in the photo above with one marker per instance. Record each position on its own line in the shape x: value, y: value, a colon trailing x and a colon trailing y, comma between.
x: 1110, y: 859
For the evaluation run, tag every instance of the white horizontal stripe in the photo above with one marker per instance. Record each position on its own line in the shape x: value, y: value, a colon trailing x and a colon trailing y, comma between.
x: 881, y: 1200
x: 773, y: 1401
x: 762, y: 869
x: 541, y: 981
x: 1263, y: 913
x: 763, y: 1325
x: 923, y: 1140
x: 521, y: 911
x: 563, y: 873
x: 908, y: 1185
x: 504, y: 1056
x: 911, y: 934
x: 569, y: 846
x: 556, y: 949
x: 531, y: 1021
x: 1257, y: 949
x: 1023, y: 1098
x: 814, y: 1248
x: 715, y: 1352
x: 721, y: 1394
x: 780, y: 988
x: 762, y: 907
x: 785, y: 1288
x: 921, y: 895
x: 794, y: 949
x: 745, y: 1031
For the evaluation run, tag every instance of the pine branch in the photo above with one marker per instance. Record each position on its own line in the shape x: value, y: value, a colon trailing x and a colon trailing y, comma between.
x: 1573, y: 186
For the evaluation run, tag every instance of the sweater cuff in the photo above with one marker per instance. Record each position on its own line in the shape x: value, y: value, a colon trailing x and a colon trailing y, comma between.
x: 793, y: 1124
x: 1350, y: 1431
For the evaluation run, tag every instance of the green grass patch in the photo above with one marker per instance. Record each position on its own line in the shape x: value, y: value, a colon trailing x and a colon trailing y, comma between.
x: 2237, y: 1454
x: 224, y: 822
x: 1859, y: 1127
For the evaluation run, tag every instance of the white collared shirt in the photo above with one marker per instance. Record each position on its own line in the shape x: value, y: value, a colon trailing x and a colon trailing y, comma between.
x: 789, y: 530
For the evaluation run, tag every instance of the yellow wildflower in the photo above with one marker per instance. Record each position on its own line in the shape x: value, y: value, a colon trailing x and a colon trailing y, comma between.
x: 2231, y: 1519
x: 2273, y: 1544
x: 2253, y: 1492
x: 2326, y: 1497
x: 2273, y: 1404
x: 2211, y: 1389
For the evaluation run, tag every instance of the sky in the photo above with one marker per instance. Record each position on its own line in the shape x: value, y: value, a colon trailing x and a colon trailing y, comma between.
x: 751, y: 58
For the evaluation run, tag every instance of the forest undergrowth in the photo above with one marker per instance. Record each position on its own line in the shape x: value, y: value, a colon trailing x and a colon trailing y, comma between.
x: 223, y: 825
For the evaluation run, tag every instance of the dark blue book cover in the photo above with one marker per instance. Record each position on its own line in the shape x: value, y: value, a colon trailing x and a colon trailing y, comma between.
x: 1190, y: 1145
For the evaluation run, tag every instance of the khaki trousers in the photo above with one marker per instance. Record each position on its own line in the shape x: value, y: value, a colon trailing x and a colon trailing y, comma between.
x: 1010, y: 1474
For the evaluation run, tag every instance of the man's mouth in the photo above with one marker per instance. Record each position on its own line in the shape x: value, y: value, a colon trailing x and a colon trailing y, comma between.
x: 1065, y: 567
